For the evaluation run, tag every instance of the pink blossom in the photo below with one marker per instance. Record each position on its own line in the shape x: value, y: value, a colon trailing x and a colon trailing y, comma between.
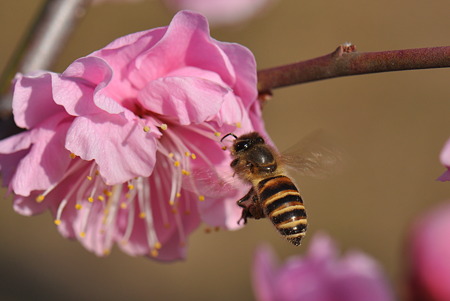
x: 223, y: 11
x: 445, y: 160
x: 113, y: 143
x: 430, y: 255
x: 113, y: 1
x: 319, y: 276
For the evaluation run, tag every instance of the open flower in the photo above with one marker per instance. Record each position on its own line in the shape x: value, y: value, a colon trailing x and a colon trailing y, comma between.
x: 430, y: 255
x: 319, y: 276
x: 113, y: 143
x: 445, y: 160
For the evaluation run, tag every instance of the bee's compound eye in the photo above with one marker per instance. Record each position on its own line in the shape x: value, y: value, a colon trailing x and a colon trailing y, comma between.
x: 240, y: 146
x: 260, y: 140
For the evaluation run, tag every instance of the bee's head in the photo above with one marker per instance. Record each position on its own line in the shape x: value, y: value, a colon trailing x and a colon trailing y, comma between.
x: 245, y: 142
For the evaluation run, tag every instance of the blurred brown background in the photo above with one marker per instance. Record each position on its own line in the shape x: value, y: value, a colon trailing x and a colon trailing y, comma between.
x: 392, y: 126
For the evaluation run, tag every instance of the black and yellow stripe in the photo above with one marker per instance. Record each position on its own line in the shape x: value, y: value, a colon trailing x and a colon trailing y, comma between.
x: 284, y: 206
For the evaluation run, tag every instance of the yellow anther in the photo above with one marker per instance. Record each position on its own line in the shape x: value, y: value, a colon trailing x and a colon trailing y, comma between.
x: 157, y: 246
x: 176, y: 163
x: 146, y: 129
x: 224, y: 148
x: 171, y: 203
x: 89, y: 178
x: 101, y: 198
x: 96, y: 173
x: 207, y: 230
x: 78, y: 206
x: 130, y: 186
x: 72, y: 156
x: 187, y: 154
x: 171, y: 155
x: 163, y: 126
x: 154, y: 253
x: 216, y: 228
x: 193, y: 156
x: 185, y: 172
x: 57, y: 222
x: 123, y: 205
x: 238, y: 124
x: 82, y: 234
x: 90, y: 199
x: 107, y: 192
x: 201, y: 198
x: 142, y: 215
x: 174, y: 210
x: 217, y: 134
x: 178, y: 195
x: 106, y: 252
x: 40, y: 198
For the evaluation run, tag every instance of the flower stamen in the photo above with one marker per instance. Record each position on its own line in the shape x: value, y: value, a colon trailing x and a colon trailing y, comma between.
x: 143, y: 197
x: 40, y: 198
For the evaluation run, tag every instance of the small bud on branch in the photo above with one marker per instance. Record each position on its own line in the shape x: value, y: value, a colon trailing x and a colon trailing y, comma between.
x: 345, y: 60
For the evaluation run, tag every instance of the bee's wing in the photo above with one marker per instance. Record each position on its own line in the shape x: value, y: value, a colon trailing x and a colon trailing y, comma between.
x: 315, y: 155
x: 210, y: 183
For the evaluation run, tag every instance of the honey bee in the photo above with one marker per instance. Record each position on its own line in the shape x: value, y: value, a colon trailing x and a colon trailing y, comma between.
x: 273, y: 194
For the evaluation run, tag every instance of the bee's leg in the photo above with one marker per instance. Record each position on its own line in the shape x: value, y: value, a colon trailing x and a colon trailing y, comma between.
x: 245, y: 202
x: 251, y: 207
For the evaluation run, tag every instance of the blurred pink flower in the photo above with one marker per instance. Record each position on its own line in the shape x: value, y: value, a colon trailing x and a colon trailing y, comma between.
x: 319, y: 276
x: 223, y: 11
x: 445, y: 160
x: 114, y: 1
x: 430, y: 255
x: 114, y: 141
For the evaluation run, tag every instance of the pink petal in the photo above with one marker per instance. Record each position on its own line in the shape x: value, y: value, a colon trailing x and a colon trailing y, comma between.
x: 445, y: 154
x: 15, y: 143
x: 232, y: 111
x: 75, y: 96
x: 121, y: 55
x: 27, y: 205
x: 120, y: 147
x: 320, y: 275
x: 186, y: 43
x: 244, y: 64
x: 32, y: 100
x: 430, y: 253
x: 264, y: 274
x: 191, y: 100
x: 8, y: 165
x: 81, y: 88
x: 96, y: 238
x: 47, y: 160
x: 90, y: 70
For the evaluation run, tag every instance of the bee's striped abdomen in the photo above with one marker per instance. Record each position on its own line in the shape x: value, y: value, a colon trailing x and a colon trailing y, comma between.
x: 284, y: 206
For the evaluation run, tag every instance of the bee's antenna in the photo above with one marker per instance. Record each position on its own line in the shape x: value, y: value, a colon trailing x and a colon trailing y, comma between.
x: 229, y: 134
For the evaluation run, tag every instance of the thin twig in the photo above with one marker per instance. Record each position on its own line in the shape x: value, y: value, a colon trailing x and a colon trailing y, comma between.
x: 40, y: 48
x: 345, y: 61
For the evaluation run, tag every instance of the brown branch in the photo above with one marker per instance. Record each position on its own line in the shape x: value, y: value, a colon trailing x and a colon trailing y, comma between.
x: 345, y: 61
